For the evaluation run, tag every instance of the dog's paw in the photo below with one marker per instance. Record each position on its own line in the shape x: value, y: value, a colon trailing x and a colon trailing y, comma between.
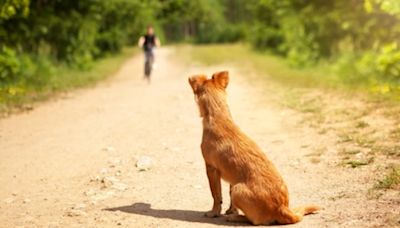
x: 232, y: 211
x: 212, y: 214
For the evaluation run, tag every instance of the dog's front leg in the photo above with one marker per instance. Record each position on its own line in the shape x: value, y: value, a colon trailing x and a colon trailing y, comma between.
x: 214, y: 179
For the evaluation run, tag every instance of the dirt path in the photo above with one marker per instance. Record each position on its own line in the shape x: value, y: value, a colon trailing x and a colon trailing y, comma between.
x: 71, y: 162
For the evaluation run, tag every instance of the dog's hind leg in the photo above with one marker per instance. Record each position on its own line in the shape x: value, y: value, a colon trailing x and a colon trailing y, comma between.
x: 252, y: 206
x: 232, y: 210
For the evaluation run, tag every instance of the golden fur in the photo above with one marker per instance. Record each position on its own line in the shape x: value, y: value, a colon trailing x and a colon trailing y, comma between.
x: 257, y: 189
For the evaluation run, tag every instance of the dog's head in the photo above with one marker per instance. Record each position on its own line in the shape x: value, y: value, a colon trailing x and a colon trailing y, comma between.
x: 200, y: 83
x: 210, y: 93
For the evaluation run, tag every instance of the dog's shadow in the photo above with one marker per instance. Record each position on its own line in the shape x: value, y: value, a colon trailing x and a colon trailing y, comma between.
x: 180, y: 215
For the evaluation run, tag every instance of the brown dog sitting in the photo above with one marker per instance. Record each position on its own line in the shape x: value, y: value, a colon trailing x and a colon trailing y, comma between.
x: 257, y: 189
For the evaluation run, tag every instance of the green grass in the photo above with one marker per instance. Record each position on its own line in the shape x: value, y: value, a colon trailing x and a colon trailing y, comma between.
x: 362, y: 124
x: 391, y: 180
x: 268, y: 65
x: 356, y: 163
x: 20, y: 95
x: 277, y: 68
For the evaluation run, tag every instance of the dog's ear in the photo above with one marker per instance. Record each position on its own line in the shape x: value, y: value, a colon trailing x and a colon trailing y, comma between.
x: 221, y: 78
x: 196, y: 82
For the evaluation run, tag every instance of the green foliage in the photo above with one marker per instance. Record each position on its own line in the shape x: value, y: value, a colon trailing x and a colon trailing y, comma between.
x: 14, y: 8
x: 359, y: 39
x: 200, y: 21
x: 38, y: 37
x: 9, y: 64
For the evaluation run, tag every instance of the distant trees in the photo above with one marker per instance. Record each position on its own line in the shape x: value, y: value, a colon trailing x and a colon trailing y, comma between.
x: 71, y: 32
x: 361, y: 36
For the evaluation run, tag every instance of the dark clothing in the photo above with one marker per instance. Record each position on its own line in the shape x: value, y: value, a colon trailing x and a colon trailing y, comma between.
x: 148, y: 64
x: 149, y: 42
x: 149, y: 56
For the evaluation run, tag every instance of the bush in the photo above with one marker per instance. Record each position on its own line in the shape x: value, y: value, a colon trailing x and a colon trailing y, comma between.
x: 10, y: 66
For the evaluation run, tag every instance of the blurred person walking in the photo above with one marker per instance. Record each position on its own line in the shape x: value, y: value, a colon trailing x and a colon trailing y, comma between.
x: 148, y: 42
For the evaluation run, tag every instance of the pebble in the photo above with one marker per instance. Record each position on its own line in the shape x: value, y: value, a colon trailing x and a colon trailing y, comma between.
x: 115, y: 161
x: 75, y: 213
x: 144, y: 163
x: 89, y: 192
x: 109, y: 149
x: 108, y: 182
x: 102, y: 196
x: 103, y: 171
x: 120, y: 186
x: 79, y: 206
x: 77, y: 210
x: 9, y: 200
x: 26, y: 201
x: 197, y: 186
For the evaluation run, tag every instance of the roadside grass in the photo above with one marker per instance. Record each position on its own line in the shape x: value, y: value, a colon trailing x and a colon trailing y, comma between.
x: 391, y: 180
x: 277, y: 68
x: 20, y: 95
x: 268, y: 65
x: 358, y: 163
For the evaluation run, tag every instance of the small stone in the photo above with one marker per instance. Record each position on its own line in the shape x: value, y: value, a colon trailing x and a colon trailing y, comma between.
x: 109, y: 149
x: 79, y: 206
x: 103, y: 171
x: 101, y: 196
x: 75, y: 213
x: 197, y: 186
x: 9, y: 200
x: 115, y: 161
x: 108, y: 182
x: 120, y: 186
x: 95, y: 179
x: 144, y: 163
x: 89, y: 192
x: 26, y: 201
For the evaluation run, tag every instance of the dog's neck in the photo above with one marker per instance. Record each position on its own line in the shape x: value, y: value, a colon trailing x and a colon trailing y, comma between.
x: 215, y: 112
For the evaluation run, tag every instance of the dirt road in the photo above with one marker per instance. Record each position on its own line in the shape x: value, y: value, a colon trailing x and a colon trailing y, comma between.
x: 71, y: 162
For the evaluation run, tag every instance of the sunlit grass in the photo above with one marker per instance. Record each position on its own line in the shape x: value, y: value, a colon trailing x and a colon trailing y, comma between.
x: 277, y: 68
x: 391, y: 180
x: 20, y: 94
x: 266, y: 64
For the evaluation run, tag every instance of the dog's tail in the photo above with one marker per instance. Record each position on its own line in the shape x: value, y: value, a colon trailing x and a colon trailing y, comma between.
x: 306, y: 210
x: 295, y: 215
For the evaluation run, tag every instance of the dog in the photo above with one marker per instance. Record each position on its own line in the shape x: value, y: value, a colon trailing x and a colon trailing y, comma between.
x: 256, y: 187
